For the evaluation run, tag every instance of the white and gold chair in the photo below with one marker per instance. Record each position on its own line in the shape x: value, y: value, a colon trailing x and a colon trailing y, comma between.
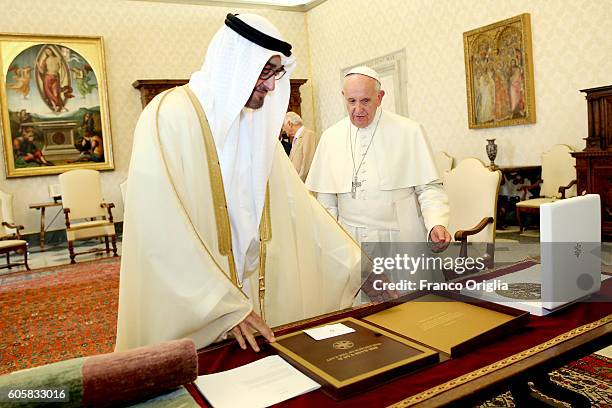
x: 557, y: 182
x: 6, y: 207
x: 87, y: 215
x: 444, y: 163
x: 472, y: 190
x: 10, y: 236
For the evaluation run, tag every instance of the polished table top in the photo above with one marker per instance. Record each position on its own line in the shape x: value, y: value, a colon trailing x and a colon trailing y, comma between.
x: 45, y: 205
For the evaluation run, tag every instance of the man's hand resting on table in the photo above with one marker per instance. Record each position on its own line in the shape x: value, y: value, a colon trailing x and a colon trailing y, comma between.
x: 245, y: 329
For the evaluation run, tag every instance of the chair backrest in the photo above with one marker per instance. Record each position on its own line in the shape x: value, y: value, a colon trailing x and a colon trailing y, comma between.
x: 82, y: 193
x: 558, y: 169
x: 6, y: 213
x: 472, y: 191
x: 444, y: 163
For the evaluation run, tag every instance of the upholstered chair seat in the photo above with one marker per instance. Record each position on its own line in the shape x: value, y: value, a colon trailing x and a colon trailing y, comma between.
x: 557, y: 182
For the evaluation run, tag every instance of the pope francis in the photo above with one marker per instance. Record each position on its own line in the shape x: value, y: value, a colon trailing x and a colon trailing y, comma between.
x: 374, y: 171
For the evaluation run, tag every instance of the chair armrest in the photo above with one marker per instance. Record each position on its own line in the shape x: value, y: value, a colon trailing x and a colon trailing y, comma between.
x: 563, y: 188
x: 14, y: 226
x: 67, y: 218
x: 11, y: 225
x: 463, y: 234
x: 109, y: 206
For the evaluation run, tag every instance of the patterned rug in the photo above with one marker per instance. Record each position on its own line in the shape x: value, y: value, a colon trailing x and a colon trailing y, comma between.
x: 58, y: 313
x: 69, y: 311
x: 590, y: 376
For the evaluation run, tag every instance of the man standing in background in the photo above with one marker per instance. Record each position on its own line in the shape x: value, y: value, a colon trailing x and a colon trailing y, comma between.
x: 303, y: 141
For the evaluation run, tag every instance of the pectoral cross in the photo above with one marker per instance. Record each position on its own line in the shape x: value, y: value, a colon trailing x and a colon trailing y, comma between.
x: 354, y: 186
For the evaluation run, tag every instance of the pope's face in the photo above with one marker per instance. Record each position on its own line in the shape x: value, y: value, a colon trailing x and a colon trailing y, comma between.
x: 361, y: 99
x: 263, y: 86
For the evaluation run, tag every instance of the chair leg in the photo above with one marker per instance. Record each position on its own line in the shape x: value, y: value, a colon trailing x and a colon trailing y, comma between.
x: 72, y: 254
x: 106, y: 244
x: 25, y: 258
x: 518, y: 219
x: 8, y: 260
x: 114, y: 242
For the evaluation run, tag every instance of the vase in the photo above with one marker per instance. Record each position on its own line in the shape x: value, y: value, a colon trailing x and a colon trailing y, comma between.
x: 492, y: 152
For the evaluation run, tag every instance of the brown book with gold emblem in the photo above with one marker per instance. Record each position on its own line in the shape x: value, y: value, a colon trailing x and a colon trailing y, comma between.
x: 396, y: 338
x: 353, y: 361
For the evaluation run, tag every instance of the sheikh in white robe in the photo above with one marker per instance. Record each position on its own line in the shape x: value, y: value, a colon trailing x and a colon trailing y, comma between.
x: 175, y: 281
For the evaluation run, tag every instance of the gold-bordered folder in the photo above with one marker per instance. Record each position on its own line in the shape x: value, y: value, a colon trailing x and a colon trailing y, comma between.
x: 453, y: 325
x: 353, y: 361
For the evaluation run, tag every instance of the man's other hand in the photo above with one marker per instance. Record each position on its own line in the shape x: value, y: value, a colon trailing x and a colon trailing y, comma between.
x: 245, y: 329
x: 440, y: 237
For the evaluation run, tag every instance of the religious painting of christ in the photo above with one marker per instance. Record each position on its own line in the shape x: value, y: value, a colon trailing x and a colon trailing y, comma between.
x: 499, y: 74
x: 54, y: 104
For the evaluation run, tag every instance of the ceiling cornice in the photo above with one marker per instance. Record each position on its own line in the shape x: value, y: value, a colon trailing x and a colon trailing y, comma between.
x: 239, y: 4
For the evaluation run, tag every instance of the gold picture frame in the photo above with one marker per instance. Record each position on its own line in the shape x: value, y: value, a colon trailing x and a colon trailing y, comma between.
x: 54, y: 104
x: 499, y: 74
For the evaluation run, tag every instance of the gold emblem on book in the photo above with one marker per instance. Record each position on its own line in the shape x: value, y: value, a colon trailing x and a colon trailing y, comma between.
x: 343, y: 345
x: 522, y: 291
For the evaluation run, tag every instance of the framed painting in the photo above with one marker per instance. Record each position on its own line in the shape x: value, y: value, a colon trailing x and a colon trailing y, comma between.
x: 54, y: 104
x: 499, y: 74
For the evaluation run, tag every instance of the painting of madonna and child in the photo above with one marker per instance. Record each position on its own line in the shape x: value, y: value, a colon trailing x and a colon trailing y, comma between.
x: 54, y: 105
x: 499, y: 74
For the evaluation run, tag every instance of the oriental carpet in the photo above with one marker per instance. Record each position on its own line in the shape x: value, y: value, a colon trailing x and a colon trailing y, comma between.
x: 57, y: 313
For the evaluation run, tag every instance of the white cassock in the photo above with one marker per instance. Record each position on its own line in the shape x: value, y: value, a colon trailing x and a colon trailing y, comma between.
x: 399, y: 197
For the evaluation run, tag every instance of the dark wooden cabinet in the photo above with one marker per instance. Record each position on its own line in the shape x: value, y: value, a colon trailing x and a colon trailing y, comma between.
x: 149, y: 88
x: 594, y: 163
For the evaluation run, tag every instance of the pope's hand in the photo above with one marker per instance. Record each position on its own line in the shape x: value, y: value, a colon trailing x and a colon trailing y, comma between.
x: 252, y: 323
x: 440, y: 238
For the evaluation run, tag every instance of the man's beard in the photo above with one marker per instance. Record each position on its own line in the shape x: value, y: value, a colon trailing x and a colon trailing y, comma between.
x: 255, y: 101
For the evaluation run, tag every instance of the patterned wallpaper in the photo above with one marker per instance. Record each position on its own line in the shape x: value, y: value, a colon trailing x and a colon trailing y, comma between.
x: 572, y: 50
x: 143, y: 40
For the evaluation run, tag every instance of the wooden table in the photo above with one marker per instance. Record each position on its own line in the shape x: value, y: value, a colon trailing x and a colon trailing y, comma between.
x: 545, y: 344
x: 42, y: 207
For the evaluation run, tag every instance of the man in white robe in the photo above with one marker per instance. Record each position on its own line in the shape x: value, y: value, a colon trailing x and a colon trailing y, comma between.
x: 214, y: 210
x: 375, y: 172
